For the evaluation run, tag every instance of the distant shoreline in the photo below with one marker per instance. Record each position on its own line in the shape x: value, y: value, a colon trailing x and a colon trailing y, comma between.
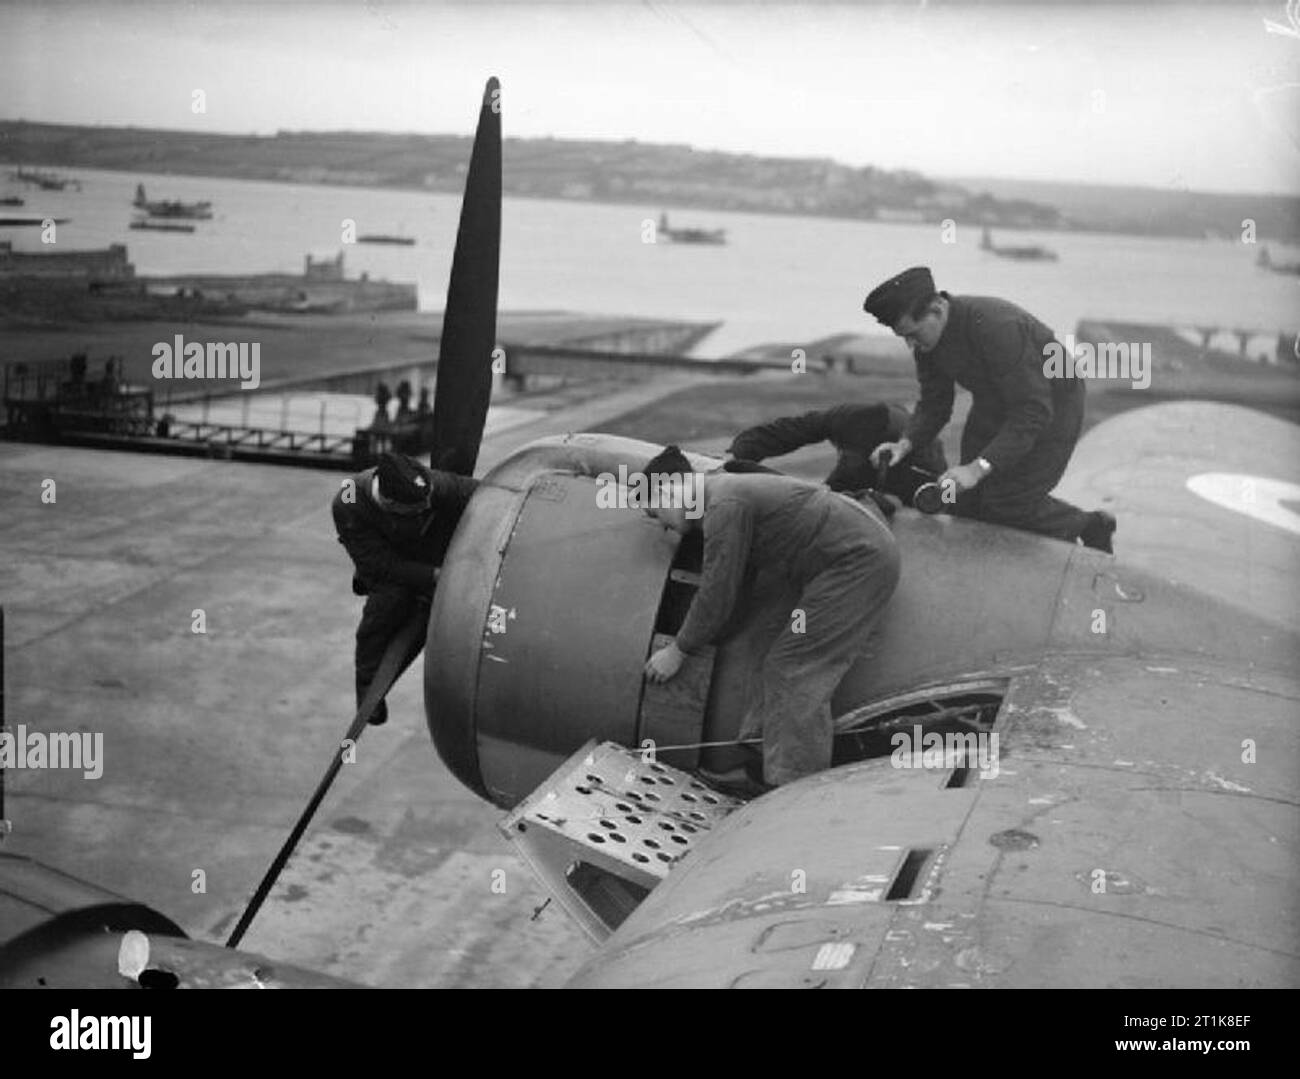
x: 647, y: 174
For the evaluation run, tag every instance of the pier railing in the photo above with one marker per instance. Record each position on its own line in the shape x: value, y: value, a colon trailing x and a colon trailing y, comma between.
x: 53, y: 402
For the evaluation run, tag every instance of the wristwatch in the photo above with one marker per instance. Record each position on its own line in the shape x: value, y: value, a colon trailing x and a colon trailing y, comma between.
x: 983, y: 465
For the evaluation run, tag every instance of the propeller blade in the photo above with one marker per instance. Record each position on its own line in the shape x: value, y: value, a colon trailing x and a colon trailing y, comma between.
x: 469, y: 323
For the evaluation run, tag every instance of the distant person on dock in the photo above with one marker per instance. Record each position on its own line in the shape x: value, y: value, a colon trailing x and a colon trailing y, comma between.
x: 395, y: 521
x: 1022, y: 426
x: 855, y: 431
x: 382, y: 396
x: 112, y: 381
x: 403, y: 403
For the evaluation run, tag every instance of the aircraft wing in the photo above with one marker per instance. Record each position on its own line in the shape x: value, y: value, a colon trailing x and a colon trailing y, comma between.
x: 1137, y: 825
x: 1140, y: 830
x: 1206, y: 494
x: 60, y: 932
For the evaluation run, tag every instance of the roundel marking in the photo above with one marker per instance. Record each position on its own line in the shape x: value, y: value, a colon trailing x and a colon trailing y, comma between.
x: 1267, y: 500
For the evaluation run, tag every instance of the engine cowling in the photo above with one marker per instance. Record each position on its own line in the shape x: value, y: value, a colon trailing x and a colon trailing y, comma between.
x: 549, y: 604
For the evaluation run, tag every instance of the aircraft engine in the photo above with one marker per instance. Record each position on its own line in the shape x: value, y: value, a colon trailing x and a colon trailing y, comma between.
x: 550, y: 602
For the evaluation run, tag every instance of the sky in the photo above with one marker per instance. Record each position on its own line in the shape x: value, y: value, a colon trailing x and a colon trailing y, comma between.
x: 1173, y: 95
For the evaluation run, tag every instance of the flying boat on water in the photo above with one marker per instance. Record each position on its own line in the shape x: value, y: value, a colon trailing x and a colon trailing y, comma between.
x: 690, y: 235
x: 46, y: 181
x: 1265, y: 262
x: 1024, y: 252
x: 199, y: 211
x: 1135, y: 824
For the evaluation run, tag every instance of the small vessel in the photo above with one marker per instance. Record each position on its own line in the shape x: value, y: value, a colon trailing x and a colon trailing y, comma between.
x: 381, y: 238
x: 1028, y: 252
x: 1265, y: 262
x: 691, y: 236
x: 30, y: 221
x: 46, y: 181
x: 306, y: 305
x: 161, y: 226
x: 11, y: 200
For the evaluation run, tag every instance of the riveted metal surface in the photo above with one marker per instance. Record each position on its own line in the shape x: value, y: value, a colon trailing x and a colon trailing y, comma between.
x: 578, y: 580
x: 584, y: 583
x: 34, y: 896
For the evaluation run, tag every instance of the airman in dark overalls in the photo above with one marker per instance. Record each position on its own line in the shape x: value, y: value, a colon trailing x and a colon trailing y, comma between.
x: 841, y: 556
x: 1022, y: 426
x: 395, y: 521
x: 855, y: 431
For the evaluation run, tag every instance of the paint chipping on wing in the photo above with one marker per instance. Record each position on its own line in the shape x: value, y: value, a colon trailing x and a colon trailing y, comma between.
x: 1226, y: 784
x: 834, y: 956
x: 865, y: 889
x: 845, y: 896
x: 1064, y: 715
x: 739, y: 908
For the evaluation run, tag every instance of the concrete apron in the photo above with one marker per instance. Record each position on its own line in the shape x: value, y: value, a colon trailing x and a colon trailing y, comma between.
x: 213, y: 741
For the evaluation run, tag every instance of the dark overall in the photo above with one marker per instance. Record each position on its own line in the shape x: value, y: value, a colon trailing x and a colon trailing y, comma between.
x: 394, y: 557
x: 843, y: 559
x: 1022, y: 422
x: 854, y: 431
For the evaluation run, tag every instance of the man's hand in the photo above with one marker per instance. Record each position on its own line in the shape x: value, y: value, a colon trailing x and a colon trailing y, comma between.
x: 896, y: 451
x: 963, y: 477
x: 665, y: 663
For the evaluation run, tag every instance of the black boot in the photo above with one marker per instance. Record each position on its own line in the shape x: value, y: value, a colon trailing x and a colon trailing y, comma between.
x: 738, y: 783
x: 1099, y: 531
x: 744, y: 782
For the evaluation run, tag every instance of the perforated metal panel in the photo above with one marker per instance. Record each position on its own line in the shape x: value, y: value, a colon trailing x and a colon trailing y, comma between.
x: 607, y: 807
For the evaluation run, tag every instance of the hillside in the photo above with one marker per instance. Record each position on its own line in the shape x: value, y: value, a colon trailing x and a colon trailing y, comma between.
x: 1154, y: 211
x: 629, y: 171
x: 655, y: 174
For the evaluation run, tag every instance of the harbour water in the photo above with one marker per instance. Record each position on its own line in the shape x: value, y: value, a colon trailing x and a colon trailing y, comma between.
x: 779, y: 278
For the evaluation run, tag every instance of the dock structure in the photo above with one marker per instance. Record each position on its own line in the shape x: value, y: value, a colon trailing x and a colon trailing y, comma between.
x: 1195, y: 344
x: 103, y: 283
x: 322, y: 288
x: 57, y: 401
x: 107, y: 264
x: 53, y: 402
x: 523, y: 366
